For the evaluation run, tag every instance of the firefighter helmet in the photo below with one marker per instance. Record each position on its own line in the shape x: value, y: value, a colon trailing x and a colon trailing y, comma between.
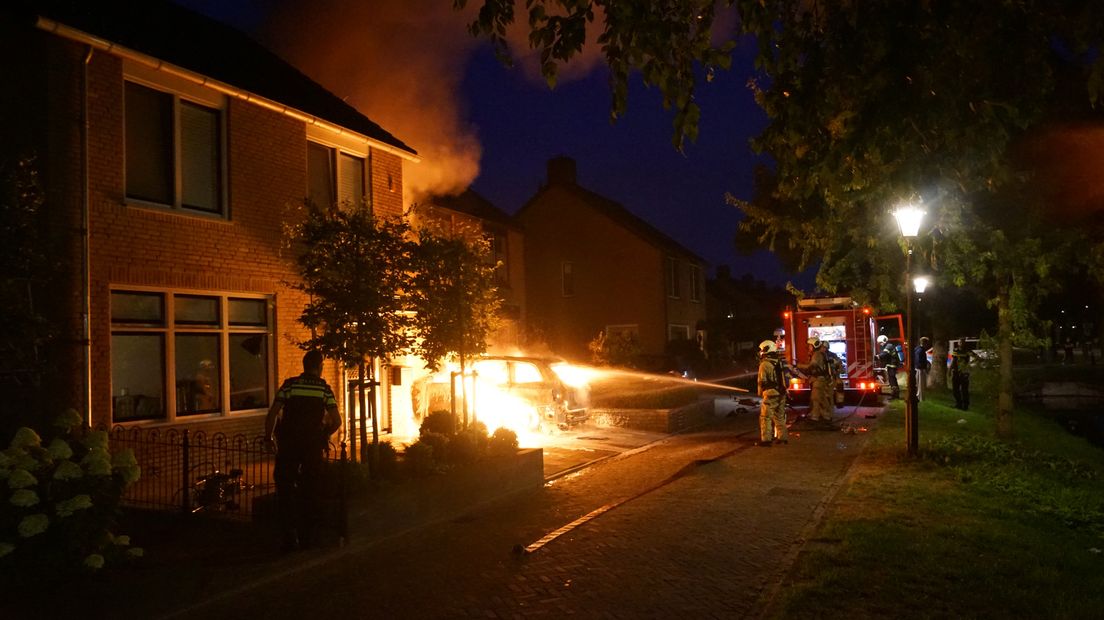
x: 767, y: 347
x: 883, y: 339
x: 814, y: 342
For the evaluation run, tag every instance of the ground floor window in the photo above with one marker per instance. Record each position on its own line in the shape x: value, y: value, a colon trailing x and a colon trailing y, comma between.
x: 176, y: 355
x: 678, y: 332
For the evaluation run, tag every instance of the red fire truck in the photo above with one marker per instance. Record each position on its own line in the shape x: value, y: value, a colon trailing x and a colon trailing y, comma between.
x: 851, y: 332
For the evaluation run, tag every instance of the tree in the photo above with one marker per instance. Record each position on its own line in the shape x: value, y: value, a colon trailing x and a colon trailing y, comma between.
x: 356, y: 270
x: 871, y: 103
x: 30, y: 274
x: 454, y: 297
x: 669, y: 43
x: 876, y: 102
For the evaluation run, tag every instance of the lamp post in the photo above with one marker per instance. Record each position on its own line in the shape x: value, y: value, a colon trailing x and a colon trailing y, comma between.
x: 908, y: 218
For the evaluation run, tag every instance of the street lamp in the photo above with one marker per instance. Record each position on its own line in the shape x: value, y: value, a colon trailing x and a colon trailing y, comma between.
x: 908, y: 218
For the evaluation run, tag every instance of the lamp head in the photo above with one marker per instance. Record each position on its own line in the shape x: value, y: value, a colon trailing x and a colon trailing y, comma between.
x: 920, y: 283
x: 909, y: 217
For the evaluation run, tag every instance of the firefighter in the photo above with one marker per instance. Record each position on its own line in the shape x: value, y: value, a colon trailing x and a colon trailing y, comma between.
x: 303, y: 416
x: 890, y: 359
x: 772, y: 391
x: 821, y: 399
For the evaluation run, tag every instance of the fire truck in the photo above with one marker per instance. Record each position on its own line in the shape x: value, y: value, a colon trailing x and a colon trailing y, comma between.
x: 851, y: 332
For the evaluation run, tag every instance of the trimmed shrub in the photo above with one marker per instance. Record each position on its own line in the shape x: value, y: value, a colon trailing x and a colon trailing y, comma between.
x: 469, y: 445
x: 441, y: 422
x: 504, y: 442
x: 441, y: 445
x: 388, y: 460
x: 419, y: 458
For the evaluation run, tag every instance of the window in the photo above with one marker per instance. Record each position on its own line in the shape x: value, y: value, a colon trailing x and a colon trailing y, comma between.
x: 695, y: 283
x: 175, y: 355
x: 173, y: 150
x: 673, y: 286
x: 498, y: 256
x: 678, y: 332
x: 335, y: 177
x: 567, y: 279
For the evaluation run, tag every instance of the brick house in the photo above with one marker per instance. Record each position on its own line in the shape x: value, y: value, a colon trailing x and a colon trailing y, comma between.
x: 593, y: 267
x: 470, y: 213
x: 171, y: 148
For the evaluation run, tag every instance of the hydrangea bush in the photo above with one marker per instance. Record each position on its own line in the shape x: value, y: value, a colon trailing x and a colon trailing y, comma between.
x: 59, y: 499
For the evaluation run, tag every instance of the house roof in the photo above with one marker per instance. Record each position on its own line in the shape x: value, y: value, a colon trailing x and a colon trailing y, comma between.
x: 619, y: 214
x: 197, y: 43
x: 469, y: 202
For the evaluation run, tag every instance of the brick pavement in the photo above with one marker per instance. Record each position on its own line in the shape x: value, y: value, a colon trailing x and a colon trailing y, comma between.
x: 705, y: 525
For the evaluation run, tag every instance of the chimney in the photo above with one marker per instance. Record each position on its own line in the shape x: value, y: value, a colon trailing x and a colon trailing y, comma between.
x: 561, y: 171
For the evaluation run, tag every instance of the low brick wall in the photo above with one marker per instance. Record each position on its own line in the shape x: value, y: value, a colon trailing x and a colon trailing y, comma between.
x: 657, y: 420
x: 416, y: 501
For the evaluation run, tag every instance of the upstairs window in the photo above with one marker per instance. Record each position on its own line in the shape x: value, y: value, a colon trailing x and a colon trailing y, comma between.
x: 695, y: 283
x: 336, y: 177
x: 498, y: 257
x: 567, y: 279
x: 674, y: 287
x: 173, y: 151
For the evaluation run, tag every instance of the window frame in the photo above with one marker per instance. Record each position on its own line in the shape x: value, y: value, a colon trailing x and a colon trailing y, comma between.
x: 168, y: 331
x: 685, y: 329
x: 695, y: 283
x: 674, y: 286
x: 182, y: 93
x: 336, y: 151
x: 567, y: 278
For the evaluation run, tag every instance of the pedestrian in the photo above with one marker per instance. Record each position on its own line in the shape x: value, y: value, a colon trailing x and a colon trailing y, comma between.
x: 772, y: 394
x: 1068, y: 350
x: 299, y: 424
x: 890, y: 360
x: 821, y: 399
x: 921, y: 366
x: 960, y: 379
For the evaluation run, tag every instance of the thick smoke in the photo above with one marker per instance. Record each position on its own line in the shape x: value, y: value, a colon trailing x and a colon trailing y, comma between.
x: 400, y: 63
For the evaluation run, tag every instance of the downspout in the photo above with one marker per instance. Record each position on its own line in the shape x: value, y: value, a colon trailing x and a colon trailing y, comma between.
x: 86, y: 277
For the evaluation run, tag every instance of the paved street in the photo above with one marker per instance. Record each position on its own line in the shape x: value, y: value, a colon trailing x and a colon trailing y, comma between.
x: 696, y: 525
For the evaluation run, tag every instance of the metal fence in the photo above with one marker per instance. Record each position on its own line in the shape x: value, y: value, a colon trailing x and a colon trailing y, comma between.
x: 200, y: 473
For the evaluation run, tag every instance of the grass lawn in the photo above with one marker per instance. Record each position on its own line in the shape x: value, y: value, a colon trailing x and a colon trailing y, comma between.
x: 973, y: 528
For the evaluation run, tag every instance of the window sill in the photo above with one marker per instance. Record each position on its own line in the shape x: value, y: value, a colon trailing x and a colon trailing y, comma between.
x: 156, y: 207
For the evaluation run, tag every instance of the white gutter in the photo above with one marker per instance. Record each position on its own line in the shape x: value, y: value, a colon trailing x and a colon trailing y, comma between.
x: 68, y: 32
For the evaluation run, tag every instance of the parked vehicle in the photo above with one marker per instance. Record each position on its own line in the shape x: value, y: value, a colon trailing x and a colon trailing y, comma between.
x: 851, y: 332
x: 505, y: 381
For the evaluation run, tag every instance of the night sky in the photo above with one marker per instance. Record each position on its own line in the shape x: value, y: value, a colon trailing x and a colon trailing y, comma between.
x: 520, y: 124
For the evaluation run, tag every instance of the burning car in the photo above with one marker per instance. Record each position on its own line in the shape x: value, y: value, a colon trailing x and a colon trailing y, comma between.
x: 516, y: 392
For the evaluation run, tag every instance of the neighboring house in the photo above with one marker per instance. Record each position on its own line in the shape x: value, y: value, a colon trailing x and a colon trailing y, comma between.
x: 593, y: 267
x: 742, y: 313
x: 468, y: 213
x: 172, y: 147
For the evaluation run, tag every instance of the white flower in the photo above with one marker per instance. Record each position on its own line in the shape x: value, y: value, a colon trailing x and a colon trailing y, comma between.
x: 24, y: 497
x: 21, y: 479
x: 25, y: 437
x: 122, y: 541
x: 59, y: 449
x: 136, y: 552
x: 68, y: 419
x: 124, y: 464
x: 32, y: 525
x: 6, y: 548
x: 68, y: 470
x: 96, y: 440
x: 94, y: 561
x: 97, y: 462
x: 73, y: 504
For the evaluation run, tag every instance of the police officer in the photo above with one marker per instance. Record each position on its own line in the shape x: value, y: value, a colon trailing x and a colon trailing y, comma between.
x: 890, y: 360
x: 822, y: 398
x: 772, y: 392
x: 303, y: 416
